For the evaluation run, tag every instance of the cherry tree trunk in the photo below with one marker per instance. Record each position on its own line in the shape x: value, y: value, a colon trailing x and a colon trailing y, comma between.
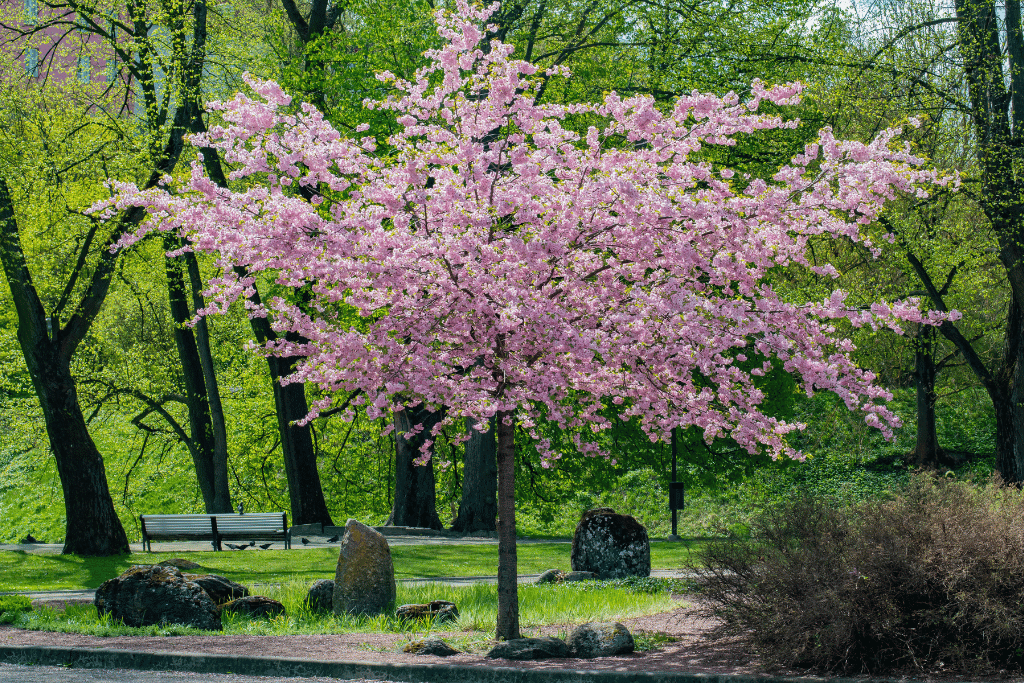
x: 478, y: 507
x: 415, y: 496
x: 507, y: 627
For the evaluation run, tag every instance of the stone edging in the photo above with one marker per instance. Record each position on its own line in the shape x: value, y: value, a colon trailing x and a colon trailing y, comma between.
x: 105, y: 658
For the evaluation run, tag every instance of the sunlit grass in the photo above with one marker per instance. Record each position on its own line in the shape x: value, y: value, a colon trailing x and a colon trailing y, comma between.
x: 21, y: 571
x: 544, y: 605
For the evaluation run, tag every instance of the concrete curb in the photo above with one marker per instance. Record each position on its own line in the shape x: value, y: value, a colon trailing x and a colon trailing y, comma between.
x: 103, y: 658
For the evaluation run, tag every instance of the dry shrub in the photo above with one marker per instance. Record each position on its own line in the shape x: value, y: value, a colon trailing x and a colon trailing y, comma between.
x: 932, y: 579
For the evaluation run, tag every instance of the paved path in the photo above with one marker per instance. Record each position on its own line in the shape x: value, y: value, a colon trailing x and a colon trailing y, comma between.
x: 297, y: 544
x: 57, y: 674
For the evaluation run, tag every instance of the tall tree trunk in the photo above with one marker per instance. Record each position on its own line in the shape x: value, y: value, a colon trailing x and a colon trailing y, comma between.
x: 1010, y: 446
x: 220, y: 432
x: 92, y: 526
x: 478, y: 507
x: 304, y: 489
x: 507, y: 627
x: 305, y: 492
x: 415, y: 496
x: 999, y: 134
x: 215, y: 499
x: 926, y: 453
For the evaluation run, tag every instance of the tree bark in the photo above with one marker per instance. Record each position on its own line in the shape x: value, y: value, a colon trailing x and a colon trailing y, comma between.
x: 926, y: 453
x: 478, y: 507
x: 220, y: 432
x: 415, y: 497
x: 216, y: 497
x: 305, y: 492
x: 507, y: 627
x: 304, y: 488
x: 92, y: 526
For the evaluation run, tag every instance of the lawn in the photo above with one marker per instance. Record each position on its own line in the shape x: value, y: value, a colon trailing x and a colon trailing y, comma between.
x: 539, y: 606
x: 22, y: 571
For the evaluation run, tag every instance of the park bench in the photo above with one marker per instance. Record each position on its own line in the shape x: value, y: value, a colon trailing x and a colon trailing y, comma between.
x: 249, y: 526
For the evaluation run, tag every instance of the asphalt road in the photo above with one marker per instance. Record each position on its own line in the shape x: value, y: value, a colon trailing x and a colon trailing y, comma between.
x: 14, y: 673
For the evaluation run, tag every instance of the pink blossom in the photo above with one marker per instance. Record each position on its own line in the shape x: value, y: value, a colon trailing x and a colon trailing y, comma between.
x: 513, y: 274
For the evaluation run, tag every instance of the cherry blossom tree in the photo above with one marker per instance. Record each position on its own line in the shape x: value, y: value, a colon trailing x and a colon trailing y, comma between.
x: 491, y: 261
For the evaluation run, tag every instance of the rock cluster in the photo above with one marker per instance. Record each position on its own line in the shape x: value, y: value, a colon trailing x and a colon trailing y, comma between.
x: 603, y: 639
x: 156, y: 595
x: 610, y: 545
x: 160, y: 594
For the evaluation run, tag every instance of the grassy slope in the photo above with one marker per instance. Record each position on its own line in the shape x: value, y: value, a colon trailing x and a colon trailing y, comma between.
x: 24, y: 571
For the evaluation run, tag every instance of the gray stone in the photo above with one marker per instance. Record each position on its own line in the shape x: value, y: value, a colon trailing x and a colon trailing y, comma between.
x: 156, y: 595
x: 551, y: 576
x: 430, y: 646
x: 438, y: 610
x: 365, y: 580
x: 254, y: 606
x: 602, y: 639
x: 219, y: 589
x: 530, y: 648
x: 612, y: 546
x: 579, y: 576
x: 321, y: 596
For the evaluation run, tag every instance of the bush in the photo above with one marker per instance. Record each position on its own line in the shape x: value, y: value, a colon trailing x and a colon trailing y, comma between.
x: 930, y: 579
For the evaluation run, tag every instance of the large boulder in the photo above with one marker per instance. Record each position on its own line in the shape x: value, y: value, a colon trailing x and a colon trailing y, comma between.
x: 611, y: 545
x: 602, y: 639
x: 321, y: 596
x: 365, y: 580
x: 530, y: 648
x: 156, y: 595
x: 439, y: 611
x: 219, y: 589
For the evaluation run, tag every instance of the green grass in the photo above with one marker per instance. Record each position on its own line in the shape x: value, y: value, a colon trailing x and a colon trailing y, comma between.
x: 23, y: 571
x: 567, y: 604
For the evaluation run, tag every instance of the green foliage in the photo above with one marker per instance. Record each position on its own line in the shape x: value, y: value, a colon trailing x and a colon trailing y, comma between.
x: 11, y: 606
